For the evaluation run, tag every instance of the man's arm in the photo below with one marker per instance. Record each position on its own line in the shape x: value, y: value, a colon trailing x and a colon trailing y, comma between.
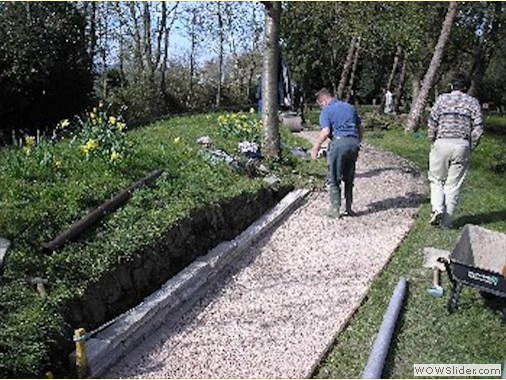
x: 433, y: 123
x: 322, y: 137
x: 360, y: 126
x: 477, y: 130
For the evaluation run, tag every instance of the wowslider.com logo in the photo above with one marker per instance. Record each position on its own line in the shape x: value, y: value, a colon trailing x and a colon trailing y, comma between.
x: 457, y: 370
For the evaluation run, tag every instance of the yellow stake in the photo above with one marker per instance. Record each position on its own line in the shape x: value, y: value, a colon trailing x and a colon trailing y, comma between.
x: 81, y: 362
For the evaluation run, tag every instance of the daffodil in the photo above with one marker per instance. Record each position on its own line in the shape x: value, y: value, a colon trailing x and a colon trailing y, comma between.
x: 177, y: 140
x: 58, y: 162
x: 112, y: 120
x: 92, y: 144
x: 120, y: 125
x: 92, y: 115
x: 115, y: 156
x: 89, y: 146
x: 100, y: 104
x: 30, y: 141
x: 64, y: 123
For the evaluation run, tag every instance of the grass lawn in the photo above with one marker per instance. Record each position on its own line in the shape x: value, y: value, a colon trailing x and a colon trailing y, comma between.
x: 426, y: 333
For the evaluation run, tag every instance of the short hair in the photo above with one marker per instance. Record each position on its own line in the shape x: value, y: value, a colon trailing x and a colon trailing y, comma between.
x: 323, y: 93
x: 460, y: 82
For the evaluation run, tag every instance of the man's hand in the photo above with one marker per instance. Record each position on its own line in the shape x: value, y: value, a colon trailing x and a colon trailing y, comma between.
x: 324, y: 134
x: 314, y: 152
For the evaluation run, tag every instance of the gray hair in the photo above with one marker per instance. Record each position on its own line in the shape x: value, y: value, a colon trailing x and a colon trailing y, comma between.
x: 323, y: 93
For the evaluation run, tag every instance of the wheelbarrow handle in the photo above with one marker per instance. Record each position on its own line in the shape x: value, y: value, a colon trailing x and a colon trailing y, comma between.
x: 446, y: 263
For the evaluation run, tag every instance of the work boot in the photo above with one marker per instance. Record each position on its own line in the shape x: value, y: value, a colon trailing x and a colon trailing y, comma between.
x: 446, y: 222
x: 436, y: 218
x: 348, y: 195
x: 335, y: 204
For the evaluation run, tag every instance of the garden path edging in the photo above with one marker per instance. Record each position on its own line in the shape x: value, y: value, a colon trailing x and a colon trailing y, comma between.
x: 177, y: 294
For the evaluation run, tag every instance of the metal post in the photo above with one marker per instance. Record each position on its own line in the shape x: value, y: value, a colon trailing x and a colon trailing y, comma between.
x: 81, y: 361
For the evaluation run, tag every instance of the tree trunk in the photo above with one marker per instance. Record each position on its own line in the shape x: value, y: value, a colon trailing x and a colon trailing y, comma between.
x: 93, y: 31
x: 346, y: 69
x: 478, y: 71
x: 162, y: 57
x: 148, y: 50
x: 394, y: 67
x: 193, y: 51
x: 162, y: 31
x: 492, y: 30
x: 139, y: 65
x: 419, y: 104
x: 220, y: 55
x: 121, y: 42
x: 391, y: 78
x: 400, y: 85
x: 105, y: 38
x: 349, y: 95
x: 272, y: 145
x: 165, y: 55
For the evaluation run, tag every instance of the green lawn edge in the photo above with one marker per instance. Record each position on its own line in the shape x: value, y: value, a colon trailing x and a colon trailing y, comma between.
x: 425, y: 332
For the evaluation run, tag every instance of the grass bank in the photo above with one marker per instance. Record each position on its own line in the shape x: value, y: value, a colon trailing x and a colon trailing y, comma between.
x: 425, y: 332
x: 46, y: 188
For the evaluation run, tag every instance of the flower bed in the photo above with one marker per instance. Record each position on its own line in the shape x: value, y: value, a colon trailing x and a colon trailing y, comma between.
x: 45, y: 187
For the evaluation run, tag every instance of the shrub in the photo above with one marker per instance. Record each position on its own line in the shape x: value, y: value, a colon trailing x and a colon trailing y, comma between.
x: 45, y: 70
x: 141, y: 103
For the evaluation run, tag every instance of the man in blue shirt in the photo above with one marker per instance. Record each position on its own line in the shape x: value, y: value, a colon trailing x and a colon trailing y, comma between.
x: 340, y: 122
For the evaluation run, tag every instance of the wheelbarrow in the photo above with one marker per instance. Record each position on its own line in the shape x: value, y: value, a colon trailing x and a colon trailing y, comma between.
x: 478, y: 260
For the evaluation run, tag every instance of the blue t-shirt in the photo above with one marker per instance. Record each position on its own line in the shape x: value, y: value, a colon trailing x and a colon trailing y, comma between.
x: 342, y: 119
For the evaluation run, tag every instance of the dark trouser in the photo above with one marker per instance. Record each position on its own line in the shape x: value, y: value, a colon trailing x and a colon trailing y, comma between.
x: 342, y: 157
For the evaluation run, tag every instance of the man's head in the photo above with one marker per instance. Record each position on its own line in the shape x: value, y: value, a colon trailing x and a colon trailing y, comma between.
x: 323, y: 97
x: 460, y: 83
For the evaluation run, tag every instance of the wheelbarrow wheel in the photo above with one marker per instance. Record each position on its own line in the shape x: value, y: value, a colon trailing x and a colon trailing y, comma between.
x: 453, y: 302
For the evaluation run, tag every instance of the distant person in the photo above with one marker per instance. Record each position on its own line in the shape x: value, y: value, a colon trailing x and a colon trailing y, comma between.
x: 389, y: 102
x: 340, y: 122
x: 455, y: 128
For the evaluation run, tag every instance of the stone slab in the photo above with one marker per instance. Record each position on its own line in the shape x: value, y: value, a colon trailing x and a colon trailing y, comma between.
x: 178, y: 294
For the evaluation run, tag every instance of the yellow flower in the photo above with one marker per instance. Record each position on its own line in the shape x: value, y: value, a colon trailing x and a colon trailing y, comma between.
x: 92, y: 115
x: 27, y: 150
x: 89, y: 146
x: 95, y: 110
x: 92, y: 144
x: 251, y: 110
x: 30, y: 141
x: 115, y: 156
x: 120, y: 125
x: 100, y: 104
x: 177, y: 140
x: 58, y: 162
x: 112, y: 120
x: 64, y: 123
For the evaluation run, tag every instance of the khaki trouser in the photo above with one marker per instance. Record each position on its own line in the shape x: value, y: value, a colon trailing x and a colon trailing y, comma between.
x: 448, y: 163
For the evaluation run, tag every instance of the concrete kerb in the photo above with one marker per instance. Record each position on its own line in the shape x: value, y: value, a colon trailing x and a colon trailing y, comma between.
x: 178, y: 294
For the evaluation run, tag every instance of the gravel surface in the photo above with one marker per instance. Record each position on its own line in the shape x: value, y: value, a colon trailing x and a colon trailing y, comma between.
x: 275, y: 312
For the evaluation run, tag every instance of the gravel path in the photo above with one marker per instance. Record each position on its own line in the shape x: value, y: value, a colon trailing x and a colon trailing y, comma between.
x: 277, y: 310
